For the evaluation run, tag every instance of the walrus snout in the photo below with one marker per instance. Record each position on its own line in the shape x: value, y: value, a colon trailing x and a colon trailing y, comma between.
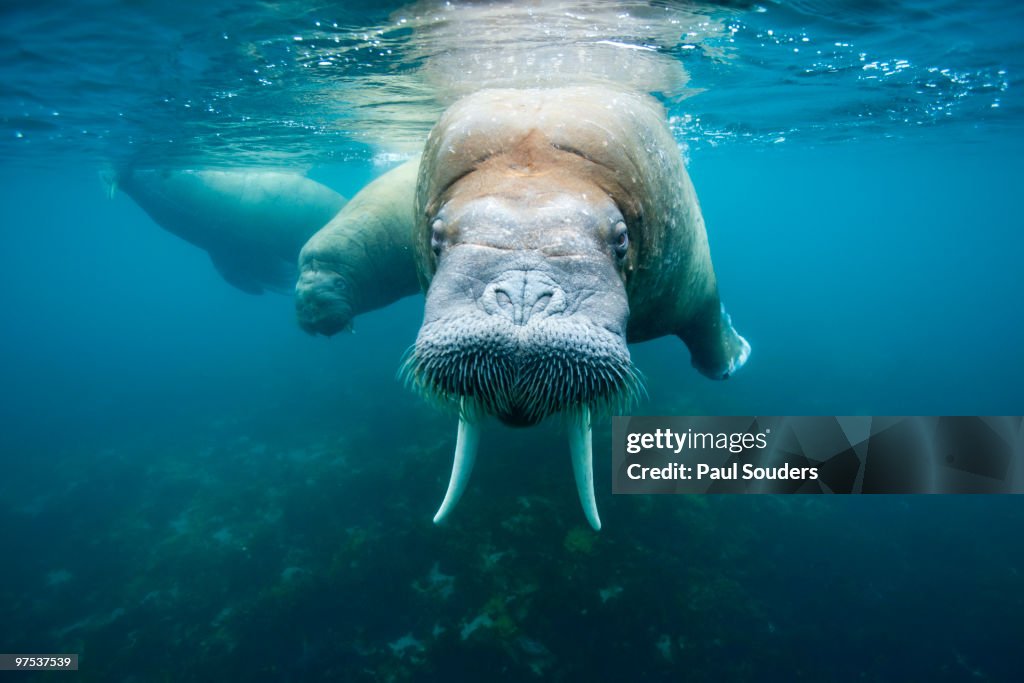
x: 522, y: 374
x: 526, y: 314
x: 321, y: 302
x: 518, y: 346
x: 523, y: 295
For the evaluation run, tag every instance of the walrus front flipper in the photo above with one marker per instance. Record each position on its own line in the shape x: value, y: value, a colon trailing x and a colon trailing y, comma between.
x: 716, y: 349
x: 363, y: 259
x: 236, y: 276
x: 254, y: 274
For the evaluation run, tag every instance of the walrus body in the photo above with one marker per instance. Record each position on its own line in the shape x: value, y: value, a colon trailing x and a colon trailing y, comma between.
x: 548, y: 228
x: 252, y: 223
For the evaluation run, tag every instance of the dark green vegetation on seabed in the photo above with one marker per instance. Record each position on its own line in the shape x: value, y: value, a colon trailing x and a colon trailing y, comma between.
x: 264, y: 557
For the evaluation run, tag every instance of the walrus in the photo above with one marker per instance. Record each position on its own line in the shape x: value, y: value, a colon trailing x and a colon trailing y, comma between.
x: 363, y: 259
x: 549, y: 228
x: 251, y: 222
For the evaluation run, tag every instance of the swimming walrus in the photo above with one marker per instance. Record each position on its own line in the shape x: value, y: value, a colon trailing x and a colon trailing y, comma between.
x: 363, y: 259
x: 251, y: 222
x: 548, y: 227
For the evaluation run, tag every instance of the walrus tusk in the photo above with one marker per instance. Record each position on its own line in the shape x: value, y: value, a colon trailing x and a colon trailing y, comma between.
x: 581, y: 447
x: 465, y: 455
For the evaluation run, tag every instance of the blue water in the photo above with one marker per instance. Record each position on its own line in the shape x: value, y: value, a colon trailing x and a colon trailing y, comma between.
x: 193, y: 489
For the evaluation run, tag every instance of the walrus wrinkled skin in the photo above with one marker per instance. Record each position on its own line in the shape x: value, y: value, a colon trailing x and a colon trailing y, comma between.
x: 251, y: 222
x: 549, y: 227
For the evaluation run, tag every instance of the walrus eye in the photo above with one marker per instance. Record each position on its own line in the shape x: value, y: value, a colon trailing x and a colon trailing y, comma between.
x: 620, y: 239
x: 437, y: 236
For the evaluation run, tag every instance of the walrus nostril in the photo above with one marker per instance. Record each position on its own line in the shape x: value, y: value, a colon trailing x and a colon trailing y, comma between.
x: 542, y: 302
x: 499, y: 299
x: 503, y: 299
x: 520, y: 295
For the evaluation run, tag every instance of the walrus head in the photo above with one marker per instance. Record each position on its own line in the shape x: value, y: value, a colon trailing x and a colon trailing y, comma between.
x: 527, y: 309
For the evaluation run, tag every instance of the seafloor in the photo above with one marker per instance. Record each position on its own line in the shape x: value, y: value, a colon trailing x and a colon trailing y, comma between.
x: 257, y: 548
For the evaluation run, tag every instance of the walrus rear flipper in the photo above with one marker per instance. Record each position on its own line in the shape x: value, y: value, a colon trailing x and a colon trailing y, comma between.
x: 716, y: 349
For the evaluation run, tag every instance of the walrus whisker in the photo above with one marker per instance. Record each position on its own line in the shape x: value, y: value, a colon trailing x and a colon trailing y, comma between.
x: 407, y: 367
x: 536, y: 387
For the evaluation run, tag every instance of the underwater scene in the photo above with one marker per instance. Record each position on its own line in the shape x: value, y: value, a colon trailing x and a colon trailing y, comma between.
x: 268, y: 269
